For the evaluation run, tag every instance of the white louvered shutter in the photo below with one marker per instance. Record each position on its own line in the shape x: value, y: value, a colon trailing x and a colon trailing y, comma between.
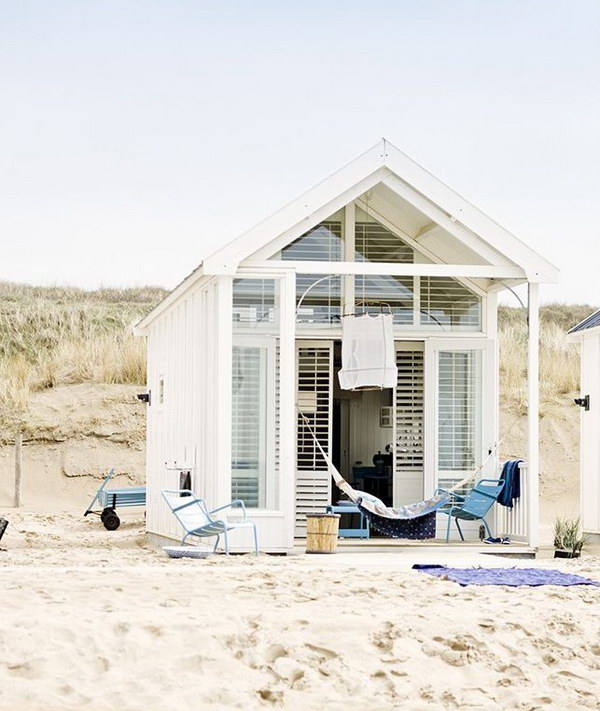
x: 314, y: 397
x: 409, y: 450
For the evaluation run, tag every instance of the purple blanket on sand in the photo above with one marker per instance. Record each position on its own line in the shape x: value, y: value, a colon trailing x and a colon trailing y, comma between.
x: 504, y: 576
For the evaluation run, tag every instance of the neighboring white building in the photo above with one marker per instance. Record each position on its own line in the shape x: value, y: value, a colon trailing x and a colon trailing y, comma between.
x: 253, y: 334
x: 588, y: 334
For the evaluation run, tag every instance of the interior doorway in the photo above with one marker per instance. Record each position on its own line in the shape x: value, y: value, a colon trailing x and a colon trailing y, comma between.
x: 375, y: 438
x: 363, y: 437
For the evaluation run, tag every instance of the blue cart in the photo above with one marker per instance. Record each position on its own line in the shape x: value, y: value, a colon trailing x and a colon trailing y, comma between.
x: 111, y: 499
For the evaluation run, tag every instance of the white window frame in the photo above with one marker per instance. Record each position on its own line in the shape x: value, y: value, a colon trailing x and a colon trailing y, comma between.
x: 267, y: 443
x: 486, y: 419
x: 286, y: 278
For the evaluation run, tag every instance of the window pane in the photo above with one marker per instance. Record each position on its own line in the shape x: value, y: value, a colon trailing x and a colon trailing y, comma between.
x: 255, y: 393
x: 375, y: 243
x: 459, y: 413
x: 321, y: 303
x: 321, y: 244
x: 394, y: 291
x: 447, y: 303
x: 253, y: 303
x: 318, y: 299
x: 249, y: 426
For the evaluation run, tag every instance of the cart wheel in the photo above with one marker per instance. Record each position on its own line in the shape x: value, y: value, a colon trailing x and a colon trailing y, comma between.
x: 111, y: 521
x: 105, y: 513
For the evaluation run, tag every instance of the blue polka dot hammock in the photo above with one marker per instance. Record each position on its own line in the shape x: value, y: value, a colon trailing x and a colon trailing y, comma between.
x: 414, y: 521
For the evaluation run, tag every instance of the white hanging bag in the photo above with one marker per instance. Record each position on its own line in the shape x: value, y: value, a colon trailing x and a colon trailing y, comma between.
x: 368, y: 357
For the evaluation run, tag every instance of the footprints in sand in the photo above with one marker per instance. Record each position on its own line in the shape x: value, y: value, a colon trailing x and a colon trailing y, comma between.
x: 274, y: 652
x: 25, y: 669
x: 323, y: 652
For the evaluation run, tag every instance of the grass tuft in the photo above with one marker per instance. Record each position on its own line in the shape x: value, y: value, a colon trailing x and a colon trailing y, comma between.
x: 559, y: 356
x: 51, y: 336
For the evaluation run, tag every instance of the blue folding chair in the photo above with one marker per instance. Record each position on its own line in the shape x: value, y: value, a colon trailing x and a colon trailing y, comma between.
x: 197, y: 520
x: 474, y: 505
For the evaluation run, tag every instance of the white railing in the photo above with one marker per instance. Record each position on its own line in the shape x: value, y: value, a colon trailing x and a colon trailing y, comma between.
x: 514, y: 522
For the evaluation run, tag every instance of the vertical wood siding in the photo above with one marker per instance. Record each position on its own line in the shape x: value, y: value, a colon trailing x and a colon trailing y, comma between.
x: 187, y: 427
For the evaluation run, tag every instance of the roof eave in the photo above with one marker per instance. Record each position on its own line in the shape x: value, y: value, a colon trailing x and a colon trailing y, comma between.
x: 141, y: 327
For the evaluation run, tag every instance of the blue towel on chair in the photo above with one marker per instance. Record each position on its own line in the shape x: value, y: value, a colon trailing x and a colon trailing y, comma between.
x: 512, y: 483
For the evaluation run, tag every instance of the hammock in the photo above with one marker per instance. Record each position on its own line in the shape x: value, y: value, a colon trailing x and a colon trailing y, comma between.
x: 413, y: 521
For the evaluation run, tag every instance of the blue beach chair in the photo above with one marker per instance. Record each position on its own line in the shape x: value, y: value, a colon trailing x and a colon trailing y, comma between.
x: 474, y: 506
x: 197, y: 520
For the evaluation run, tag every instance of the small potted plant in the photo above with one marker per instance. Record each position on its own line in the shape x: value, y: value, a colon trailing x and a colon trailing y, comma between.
x: 568, y: 540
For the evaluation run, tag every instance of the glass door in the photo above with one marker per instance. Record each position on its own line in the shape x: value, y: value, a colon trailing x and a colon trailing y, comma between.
x: 464, y: 400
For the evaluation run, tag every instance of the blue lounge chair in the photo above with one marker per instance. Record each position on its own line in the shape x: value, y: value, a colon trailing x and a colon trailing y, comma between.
x: 196, y: 519
x: 474, y: 506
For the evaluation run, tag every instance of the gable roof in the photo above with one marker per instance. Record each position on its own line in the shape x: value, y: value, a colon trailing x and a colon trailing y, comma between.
x: 383, y: 163
x: 592, y: 321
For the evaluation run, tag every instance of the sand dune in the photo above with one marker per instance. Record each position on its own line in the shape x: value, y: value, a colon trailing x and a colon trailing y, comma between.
x: 97, y: 620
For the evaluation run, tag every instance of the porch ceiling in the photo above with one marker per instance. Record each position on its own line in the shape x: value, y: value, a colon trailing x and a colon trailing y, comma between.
x: 432, y: 241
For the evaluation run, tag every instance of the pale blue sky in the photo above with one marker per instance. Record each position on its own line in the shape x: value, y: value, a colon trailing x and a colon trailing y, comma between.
x: 138, y: 136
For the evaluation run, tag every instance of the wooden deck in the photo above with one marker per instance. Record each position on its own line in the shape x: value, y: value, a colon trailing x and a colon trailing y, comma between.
x: 391, y: 545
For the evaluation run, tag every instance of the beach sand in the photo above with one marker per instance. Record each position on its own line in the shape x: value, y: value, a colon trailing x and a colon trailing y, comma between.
x: 99, y: 620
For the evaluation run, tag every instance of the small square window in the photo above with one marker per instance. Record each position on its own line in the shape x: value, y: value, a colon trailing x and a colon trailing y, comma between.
x: 386, y: 417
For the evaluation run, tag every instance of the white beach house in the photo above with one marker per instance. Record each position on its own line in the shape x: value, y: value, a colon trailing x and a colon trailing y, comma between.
x: 588, y: 334
x: 252, y: 336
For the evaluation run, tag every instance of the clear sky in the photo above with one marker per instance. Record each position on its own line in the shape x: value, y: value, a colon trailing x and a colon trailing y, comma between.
x: 137, y: 136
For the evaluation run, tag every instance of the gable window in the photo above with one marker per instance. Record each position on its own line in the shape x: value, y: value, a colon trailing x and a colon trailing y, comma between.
x: 375, y: 243
x: 321, y: 244
x: 318, y: 299
x: 432, y: 303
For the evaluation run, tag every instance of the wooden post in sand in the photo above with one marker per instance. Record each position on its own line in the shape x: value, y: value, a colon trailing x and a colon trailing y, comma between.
x: 18, y: 467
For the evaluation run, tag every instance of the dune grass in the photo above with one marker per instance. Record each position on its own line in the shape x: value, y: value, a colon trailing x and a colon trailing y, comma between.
x: 52, y: 336
x: 559, y: 356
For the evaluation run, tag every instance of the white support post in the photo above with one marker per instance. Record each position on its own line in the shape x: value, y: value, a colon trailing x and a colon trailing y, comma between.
x: 533, y: 406
x: 349, y: 251
x: 223, y: 406
x: 287, y: 403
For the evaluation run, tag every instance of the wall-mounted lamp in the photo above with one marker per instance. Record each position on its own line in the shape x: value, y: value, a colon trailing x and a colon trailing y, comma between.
x: 583, y: 402
x: 144, y: 397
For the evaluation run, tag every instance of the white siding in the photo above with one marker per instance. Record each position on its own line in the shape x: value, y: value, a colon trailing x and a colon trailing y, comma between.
x: 187, y: 427
x: 590, y: 433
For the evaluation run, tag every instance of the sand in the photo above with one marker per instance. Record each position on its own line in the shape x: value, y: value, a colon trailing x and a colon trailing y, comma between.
x: 99, y: 620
